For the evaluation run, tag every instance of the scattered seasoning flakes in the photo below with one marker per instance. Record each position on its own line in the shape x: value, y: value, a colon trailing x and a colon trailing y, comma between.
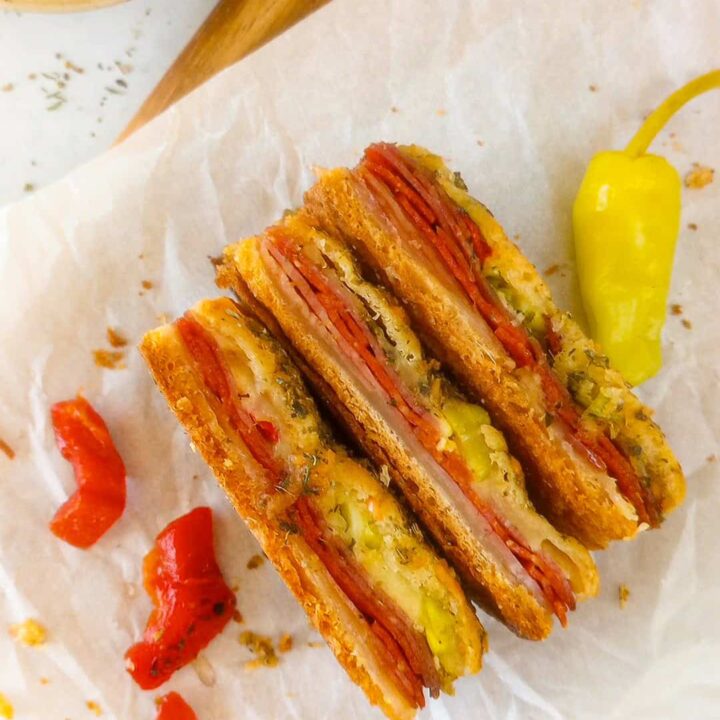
x: 5, y: 448
x: 147, y: 284
x: 8, y: 87
x: 286, y: 643
x: 623, y: 595
x: 676, y: 309
x: 551, y: 270
x: 94, y: 708
x: 699, y: 176
x: 109, y: 359
x: 28, y: 187
x: 238, y: 618
x: 314, y: 644
x: 122, y: 83
x: 115, y: 338
x: 692, y: 226
x: 124, y: 68
x: 262, y: 647
x: 30, y: 633
x: 480, y: 143
x: 204, y: 670
x: 72, y: 66
x: 394, y: 109
x: 255, y: 562
x: 6, y: 708
x: 686, y: 324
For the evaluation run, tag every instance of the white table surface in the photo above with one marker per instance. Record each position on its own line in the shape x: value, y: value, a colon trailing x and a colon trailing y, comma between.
x: 70, y: 83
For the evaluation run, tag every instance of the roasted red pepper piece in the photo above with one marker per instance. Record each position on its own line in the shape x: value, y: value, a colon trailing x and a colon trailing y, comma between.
x: 192, y: 601
x: 173, y: 707
x: 84, y: 440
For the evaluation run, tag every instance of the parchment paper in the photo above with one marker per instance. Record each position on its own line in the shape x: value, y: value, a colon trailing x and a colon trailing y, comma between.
x: 503, y: 90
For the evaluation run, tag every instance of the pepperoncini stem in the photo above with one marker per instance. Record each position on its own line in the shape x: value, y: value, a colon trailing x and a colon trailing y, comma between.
x: 660, y: 116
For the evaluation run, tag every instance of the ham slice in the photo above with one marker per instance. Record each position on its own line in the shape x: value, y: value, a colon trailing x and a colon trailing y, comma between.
x: 398, y: 182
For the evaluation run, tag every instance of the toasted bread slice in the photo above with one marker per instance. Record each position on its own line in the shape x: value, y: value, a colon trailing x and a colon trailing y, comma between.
x: 314, y: 470
x: 579, y: 497
x: 509, y: 594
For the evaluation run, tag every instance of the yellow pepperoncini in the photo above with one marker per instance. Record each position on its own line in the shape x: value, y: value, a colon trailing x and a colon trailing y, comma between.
x: 626, y: 221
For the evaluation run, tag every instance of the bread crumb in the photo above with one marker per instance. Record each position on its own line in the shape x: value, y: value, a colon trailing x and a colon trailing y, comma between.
x: 237, y: 617
x: 699, y: 176
x: 262, y: 647
x: 394, y: 109
x: 255, y: 562
x: 116, y: 338
x: 712, y: 458
x: 692, y: 226
x: 686, y: 324
x: 30, y: 633
x: 44, y: 681
x: 480, y: 143
x: 593, y: 88
x: 6, y: 709
x: 286, y: 643
x: 676, y: 309
x: 147, y: 284
x: 4, y: 447
x: 204, y: 670
x: 551, y: 270
x: 72, y: 66
x: 314, y: 644
x: 109, y: 359
x: 94, y: 708
x: 8, y: 87
x: 440, y: 112
x: 623, y: 595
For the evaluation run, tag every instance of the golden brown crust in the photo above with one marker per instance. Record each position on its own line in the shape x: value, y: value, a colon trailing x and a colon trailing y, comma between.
x: 332, y: 615
x: 497, y: 591
x: 576, y: 505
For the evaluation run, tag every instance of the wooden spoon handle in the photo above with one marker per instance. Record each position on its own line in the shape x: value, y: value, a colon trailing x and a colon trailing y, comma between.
x: 233, y: 30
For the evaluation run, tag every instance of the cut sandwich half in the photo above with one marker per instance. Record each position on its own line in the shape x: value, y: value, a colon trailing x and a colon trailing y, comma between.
x: 598, y: 465
x: 447, y: 457
x: 391, y: 610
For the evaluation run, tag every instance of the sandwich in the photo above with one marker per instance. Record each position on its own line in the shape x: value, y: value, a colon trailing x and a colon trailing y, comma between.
x: 598, y: 466
x: 446, y: 455
x: 390, y: 609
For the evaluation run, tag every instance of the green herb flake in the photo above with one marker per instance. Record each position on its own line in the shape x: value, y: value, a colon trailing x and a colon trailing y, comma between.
x: 458, y: 181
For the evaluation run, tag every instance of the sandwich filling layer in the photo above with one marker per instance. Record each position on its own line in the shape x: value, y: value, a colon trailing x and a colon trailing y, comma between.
x: 423, y: 213
x: 372, y: 336
x: 424, y: 632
